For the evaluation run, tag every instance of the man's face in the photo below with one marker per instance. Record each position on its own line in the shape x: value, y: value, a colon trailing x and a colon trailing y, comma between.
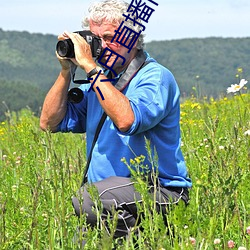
x: 106, y: 32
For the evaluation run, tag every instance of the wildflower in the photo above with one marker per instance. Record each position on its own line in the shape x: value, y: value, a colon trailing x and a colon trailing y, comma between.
x: 216, y: 241
x: 192, y: 240
x: 132, y: 162
x: 247, y: 133
x: 137, y: 159
x: 198, y: 182
x: 22, y: 210
x: 45, y: 216
x: 240, y: 70
x: 221, y: 147
x: 195, y: 106
x: 237, y: 87
x: 230, y: 244
x: 242, y: 248
x: 248, y: 230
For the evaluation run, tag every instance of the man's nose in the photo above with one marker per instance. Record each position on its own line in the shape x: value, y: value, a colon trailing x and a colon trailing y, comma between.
x: 104, y: 44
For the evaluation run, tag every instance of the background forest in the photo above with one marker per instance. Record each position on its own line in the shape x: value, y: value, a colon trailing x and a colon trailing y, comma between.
x: 202, y: 67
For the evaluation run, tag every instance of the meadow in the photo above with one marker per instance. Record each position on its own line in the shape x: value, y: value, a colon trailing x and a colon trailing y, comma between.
x: 40, y: 172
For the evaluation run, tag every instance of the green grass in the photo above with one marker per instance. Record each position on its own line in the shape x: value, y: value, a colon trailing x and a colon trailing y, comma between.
x: 40, y: 172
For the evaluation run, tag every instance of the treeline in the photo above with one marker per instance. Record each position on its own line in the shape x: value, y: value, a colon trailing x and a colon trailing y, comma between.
x: 210, y: 65
x: 16, y: 95
x: 204, y: 67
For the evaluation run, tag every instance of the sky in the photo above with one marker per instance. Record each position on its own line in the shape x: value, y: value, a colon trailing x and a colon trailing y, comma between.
x: 172, y: 19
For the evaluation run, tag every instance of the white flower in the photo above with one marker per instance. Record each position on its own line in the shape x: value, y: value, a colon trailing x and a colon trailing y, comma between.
x: 14, y: 188
x: 22, y: 210
x: 217, y: 241
x: 192, y: 240
x: 247, y: 133
x: 237, y: 87
x: 242, y: 248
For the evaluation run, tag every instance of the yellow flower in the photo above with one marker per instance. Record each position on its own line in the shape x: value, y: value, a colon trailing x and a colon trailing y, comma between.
x: 240, y: 70
x: 132, y: 162
x: 195, y: 105
x: 138, y: 160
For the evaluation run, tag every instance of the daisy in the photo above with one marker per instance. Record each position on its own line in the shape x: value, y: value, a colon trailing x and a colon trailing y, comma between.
x: 237, y: 87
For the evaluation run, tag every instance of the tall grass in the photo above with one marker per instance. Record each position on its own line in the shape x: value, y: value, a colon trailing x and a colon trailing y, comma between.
x: 40, y: 172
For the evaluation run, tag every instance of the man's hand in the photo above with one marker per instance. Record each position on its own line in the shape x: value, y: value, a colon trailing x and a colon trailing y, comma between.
x: 66, y: 63
x: 83, y: 54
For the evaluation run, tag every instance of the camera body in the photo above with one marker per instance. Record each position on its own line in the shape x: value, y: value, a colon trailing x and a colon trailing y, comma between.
x: 65, y: 48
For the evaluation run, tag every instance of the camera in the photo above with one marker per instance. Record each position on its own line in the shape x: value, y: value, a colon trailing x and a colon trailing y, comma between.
x: 65, y: 48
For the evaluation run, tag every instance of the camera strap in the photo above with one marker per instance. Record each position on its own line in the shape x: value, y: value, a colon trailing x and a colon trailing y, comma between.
x: 136, y: 64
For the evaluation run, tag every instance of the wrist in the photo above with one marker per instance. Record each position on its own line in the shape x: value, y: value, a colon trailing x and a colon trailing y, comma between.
x: 94, y: 71
x: 89, y: 67
x: 65, y: 73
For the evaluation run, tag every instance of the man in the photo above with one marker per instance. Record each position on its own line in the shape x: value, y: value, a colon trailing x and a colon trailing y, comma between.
x: 145, y: 107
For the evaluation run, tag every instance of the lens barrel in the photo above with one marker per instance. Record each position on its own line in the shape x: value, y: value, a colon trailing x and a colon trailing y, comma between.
x: 65, y: 48
x: 75, y: 95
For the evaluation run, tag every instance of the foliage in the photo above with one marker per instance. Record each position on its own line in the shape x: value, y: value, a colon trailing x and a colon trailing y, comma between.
x: 40, y: 172
x: 28, y: 58
x: 14, y: 95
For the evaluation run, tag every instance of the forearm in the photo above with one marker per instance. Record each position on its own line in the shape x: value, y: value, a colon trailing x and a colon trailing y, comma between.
x: 55, y: 103
x: 115, y: 104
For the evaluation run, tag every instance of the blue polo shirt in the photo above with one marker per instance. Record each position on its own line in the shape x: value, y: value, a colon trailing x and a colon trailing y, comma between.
x: 154, y: 97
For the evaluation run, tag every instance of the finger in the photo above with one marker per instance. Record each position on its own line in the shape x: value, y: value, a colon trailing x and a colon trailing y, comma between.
x: 69, y: 34
x: 75, y: 37
x: 59, y: 57
x: 62, y: 36
x: 69, y: 60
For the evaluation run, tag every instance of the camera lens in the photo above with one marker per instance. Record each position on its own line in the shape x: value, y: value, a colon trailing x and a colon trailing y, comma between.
x: 65, y: 48
x: 75, y: 95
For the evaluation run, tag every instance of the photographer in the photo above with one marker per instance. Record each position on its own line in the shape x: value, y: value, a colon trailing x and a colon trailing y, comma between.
x: 141, y: 100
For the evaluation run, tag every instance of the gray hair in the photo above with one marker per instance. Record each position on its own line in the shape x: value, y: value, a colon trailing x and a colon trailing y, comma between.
x: 111, y: 11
